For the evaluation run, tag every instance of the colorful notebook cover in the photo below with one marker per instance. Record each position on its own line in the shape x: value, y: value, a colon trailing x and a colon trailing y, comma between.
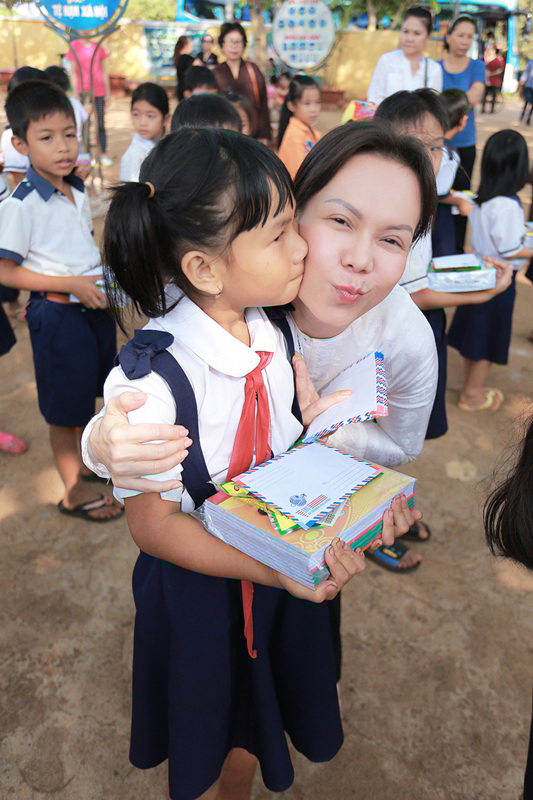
x: 308, y: 481
x: 366, y: 379
x: 242, y: 523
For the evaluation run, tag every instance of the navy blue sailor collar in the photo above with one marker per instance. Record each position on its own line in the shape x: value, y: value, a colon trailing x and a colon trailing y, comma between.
x: 45, y: 188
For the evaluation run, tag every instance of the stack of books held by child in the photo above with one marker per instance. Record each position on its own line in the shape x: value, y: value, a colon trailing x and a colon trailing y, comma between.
x: 461, y: 273
x: 285, y: 512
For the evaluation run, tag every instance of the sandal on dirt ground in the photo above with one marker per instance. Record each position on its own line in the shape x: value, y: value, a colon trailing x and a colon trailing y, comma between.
x: 493, y: 398
x: 413, y: 534
x: 84, y: 509
x: 12, y: 445
x: 388, y: 556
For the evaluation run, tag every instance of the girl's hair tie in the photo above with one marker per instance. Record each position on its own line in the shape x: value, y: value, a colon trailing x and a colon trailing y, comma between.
x: 152, y: 189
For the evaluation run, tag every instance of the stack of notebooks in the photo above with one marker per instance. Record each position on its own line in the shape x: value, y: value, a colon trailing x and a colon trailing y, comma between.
x: 285, y: 512
x: 461, y: 273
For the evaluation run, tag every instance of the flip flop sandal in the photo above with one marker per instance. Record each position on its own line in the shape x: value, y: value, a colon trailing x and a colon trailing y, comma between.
x: 84, y: 509
x: 493, y: 400
x: 413, y: 534
x: 12, y: 445
x: 388, y: 556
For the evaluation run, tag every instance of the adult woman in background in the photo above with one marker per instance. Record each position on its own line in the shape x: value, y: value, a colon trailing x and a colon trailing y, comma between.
x: 182, y: 61
x: 461, y: 72
x: 407, y: 68
x: 205, y: 55
x: 243, y: 77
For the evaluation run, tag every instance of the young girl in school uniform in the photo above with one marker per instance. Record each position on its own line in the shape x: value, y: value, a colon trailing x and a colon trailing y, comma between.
x: 297, y: 133
x: 482, y: 333
x: 207, y: 237
x: 150, y: 116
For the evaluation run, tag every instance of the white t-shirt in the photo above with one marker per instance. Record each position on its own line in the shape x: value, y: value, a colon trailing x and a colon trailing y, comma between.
x: 447, y: 171
x: 80, y: 115
x: 415, y: 276
x: 43, y: 231
x: 393, y: 73
x: 13, y: 160
x: 398, y: 329
x: 498, y: 229
x: 215, y: 363
x: 130, y: 163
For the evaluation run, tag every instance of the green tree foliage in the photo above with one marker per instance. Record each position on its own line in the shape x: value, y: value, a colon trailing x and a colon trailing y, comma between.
x: 150, y: 10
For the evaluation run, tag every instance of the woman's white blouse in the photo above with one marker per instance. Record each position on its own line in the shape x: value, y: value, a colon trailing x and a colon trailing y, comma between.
x: 398, y: 329
x: 393, y: 73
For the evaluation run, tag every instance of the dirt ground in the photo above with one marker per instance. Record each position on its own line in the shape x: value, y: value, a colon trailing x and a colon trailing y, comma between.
x: 438, y: 664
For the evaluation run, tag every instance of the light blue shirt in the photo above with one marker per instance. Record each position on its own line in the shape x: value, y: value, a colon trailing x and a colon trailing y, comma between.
x: 474, y: 73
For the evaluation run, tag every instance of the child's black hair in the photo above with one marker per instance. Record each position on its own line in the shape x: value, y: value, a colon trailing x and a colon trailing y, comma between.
x: 375, y: 137
x: 508, y: 512
x: 206, y: 111
x: 199, y: 78
x: 153, y: 94
x: 422, y: 12
x: 297, y: 87
x: 458, y: 106
x: 504, y: 165
x: 58, y: 76
x: 25, y: 74
x: 30, y: 101
x: 239, y: 101
x: 209, y: 185
x: 404, y: 109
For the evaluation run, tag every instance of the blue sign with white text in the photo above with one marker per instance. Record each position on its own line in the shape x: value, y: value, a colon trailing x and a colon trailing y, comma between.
x: 80, y: 15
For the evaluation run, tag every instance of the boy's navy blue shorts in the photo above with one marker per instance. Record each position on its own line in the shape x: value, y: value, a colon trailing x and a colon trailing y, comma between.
x: 73, y: 352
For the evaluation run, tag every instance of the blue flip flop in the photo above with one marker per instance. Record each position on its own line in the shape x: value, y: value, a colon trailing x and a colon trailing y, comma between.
x: 388, y: 556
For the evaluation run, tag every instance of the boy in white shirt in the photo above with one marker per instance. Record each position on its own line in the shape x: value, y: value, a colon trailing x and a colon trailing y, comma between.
x: 46, y: 247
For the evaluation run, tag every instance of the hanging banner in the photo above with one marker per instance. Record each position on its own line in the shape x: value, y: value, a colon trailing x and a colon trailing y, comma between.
x: 80, y: 15
x: 303, y: 32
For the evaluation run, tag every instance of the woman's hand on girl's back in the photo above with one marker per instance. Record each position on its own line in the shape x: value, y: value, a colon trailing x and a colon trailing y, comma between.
x: 131, y: 450
x: 311, y: 404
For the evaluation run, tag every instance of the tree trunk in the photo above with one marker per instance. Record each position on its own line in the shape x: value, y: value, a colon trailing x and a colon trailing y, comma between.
x: 372, y: 15
x: 259, y: 33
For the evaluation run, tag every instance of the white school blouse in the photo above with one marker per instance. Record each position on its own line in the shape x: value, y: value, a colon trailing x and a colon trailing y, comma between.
x: 131, y: 161
x: 393, y: 73
x: 498, y: 229
x: 415, y: 274
x: 215, y: 363
x: 447, y: 170
x: 398, y: 329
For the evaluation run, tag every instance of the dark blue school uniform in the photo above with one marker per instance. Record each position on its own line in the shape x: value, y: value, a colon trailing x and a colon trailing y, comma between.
x: 484, y: 331
x: 196, y: 692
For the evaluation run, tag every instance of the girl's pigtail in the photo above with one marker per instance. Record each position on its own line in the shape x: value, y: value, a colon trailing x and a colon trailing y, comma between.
x: 284, y: 117
x: 136, y: 246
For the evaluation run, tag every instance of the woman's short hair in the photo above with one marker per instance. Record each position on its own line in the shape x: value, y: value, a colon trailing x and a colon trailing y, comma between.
x: 229, y: 27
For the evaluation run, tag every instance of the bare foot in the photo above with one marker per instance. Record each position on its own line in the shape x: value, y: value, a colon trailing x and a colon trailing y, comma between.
x: 409, y: 559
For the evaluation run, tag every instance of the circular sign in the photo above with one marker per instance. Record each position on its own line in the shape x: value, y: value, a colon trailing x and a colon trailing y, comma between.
x: 80, y: 15
x: 303, y: 32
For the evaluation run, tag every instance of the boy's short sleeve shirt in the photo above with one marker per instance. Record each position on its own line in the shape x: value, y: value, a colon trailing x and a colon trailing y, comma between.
x: 42, y: 230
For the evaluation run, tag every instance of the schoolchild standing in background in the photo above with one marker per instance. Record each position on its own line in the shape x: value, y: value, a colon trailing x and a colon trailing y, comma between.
x: 150, y: 116
x: 482, y: 333
x: 297, y: 133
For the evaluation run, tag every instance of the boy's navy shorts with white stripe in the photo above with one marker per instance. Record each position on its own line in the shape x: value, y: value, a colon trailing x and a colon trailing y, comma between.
x: 73, y: 352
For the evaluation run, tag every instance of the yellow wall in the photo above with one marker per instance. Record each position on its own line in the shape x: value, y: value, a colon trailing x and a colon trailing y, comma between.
x: 349, y: 67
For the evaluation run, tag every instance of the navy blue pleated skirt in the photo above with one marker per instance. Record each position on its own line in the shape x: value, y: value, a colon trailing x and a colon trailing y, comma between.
x: 438, y: 422
x: 197, y: 693
x: 484, y: 331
